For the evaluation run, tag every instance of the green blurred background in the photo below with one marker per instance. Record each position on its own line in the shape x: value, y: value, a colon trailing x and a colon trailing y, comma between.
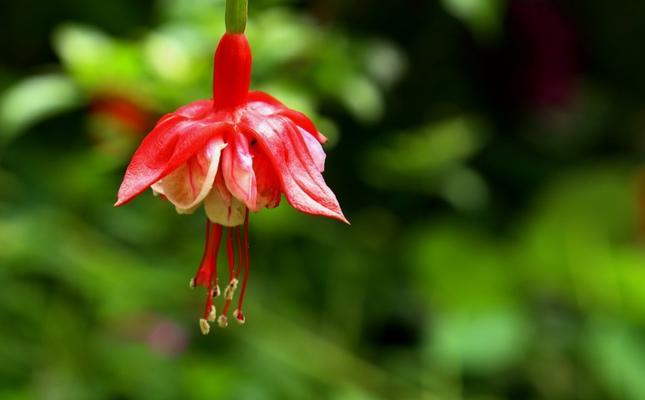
x: 489, y: 154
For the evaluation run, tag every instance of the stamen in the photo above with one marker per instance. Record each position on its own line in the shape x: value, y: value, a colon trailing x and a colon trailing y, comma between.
x: 204, y: 326
x: 217, y: 233
x: 230, y: 289
x: 229, y: 293
x: 207, y: 243
x: 214, y: 254
x: 208, y: 309
x: 207, y: 272
x: 207, y: 266
x: 239, y: 316
x: 238, y: 233
x: 232, y: 282
x: 230, y: 254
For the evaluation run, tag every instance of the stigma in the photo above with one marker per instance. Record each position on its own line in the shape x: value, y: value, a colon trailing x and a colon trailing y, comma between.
x: 237, y: 256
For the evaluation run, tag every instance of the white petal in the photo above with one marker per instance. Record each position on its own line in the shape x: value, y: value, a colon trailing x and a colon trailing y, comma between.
x: 189, y: 184
x: 223, y: 212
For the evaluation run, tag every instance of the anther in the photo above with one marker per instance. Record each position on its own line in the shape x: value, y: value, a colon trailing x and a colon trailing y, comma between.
x: 191, y: 284
x: 212, y: 314
x: 239, y: 317
x: 222, y: 321
x: 216, y: 291
x: 204, y: 326
x: 230, y: 289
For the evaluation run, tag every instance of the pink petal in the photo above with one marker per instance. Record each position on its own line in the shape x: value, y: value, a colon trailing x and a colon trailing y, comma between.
x: 315, y: 149
x: 303, y: 122
x: 268, y: 183
x: 237, y: 169
x: 171, y: 143
x: 301, y: 180
x: 266, y: 104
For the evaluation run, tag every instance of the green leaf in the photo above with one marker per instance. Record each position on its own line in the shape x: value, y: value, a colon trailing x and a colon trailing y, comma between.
x: 35, y: 99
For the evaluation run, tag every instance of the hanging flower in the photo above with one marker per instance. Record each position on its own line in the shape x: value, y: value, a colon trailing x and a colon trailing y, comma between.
x: 236, y: 152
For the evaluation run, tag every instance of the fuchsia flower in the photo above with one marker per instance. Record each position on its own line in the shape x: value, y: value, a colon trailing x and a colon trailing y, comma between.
x: 236, y: 152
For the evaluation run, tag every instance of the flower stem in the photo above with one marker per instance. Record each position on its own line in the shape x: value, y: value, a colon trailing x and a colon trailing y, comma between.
x: 236, y: 15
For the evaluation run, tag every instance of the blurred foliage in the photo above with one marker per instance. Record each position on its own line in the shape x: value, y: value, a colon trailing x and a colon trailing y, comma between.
x: 484, y: 17
x: 488, y: 154
x: 34, y: 99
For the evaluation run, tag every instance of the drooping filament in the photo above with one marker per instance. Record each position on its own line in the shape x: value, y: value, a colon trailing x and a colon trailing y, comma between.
x: 206, y: 276
x: 239, y: 316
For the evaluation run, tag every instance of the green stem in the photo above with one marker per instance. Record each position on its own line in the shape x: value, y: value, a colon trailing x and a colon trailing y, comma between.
x: 236, y: 14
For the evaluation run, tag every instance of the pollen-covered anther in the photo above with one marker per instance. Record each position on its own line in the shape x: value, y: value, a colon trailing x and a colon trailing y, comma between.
x: 222, y: 321
x: 230, y: 289
x: 212, y: 315
x: 191, y: 283
x: 204, y: 326
x: 216, y: 291
x: 239, y: 317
